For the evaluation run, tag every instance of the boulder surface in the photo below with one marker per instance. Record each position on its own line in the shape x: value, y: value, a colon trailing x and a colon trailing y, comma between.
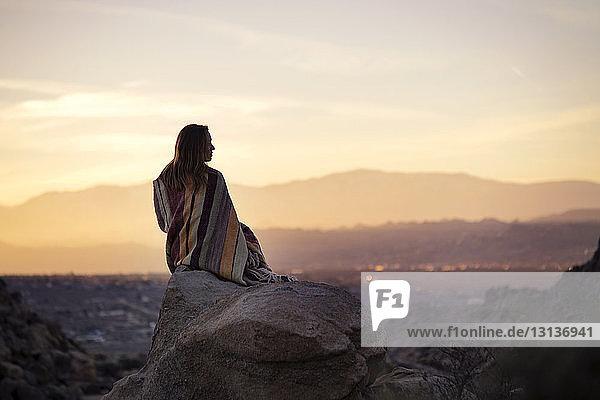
x: 215, y: 339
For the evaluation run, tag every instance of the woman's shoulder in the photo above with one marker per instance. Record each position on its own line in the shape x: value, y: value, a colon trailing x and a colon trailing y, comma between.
x: 213, y: 171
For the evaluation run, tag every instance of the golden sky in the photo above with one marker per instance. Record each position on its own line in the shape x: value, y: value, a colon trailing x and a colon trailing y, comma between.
x: 95, y: 92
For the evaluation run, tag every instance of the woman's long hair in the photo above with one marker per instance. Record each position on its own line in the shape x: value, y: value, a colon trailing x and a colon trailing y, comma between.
x: 187, y: 169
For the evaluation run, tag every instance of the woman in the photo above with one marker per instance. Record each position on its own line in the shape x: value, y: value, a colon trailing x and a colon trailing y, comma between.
x: 194, y: 208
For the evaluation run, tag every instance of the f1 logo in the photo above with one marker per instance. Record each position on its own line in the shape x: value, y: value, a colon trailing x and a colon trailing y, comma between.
x: 389, y: 299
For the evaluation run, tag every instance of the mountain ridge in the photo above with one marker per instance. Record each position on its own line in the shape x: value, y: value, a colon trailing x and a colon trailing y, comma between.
x: 116, y: 214
x: 302, y: 180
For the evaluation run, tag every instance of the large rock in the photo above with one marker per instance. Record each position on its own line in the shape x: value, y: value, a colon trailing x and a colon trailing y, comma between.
x: 215, y: 339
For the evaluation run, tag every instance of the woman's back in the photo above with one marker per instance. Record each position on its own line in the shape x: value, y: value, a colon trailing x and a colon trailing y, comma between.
x: 203, y: 231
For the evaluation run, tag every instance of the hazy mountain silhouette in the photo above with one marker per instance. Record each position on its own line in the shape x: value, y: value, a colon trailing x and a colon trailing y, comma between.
x: 102, y: 214
x: 114, y: 214
x: 588, y: 215
x: 374, y: 197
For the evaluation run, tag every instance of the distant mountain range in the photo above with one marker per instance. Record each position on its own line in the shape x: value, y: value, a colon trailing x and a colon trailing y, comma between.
x: 114, y: 214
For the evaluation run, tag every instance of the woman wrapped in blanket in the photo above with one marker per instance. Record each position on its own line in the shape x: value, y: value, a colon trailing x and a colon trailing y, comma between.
x: 194, y: 209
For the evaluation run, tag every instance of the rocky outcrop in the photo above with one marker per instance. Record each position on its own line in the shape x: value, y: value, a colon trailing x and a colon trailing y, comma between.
x: 592, y: 265
x: 215, y: 339
x: 37, y: 361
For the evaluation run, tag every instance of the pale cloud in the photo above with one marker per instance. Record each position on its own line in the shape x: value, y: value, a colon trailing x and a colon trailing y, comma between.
x: 175, y: 106
x: 576, y: 13
x: 113, y: 142
x: 561, y: 120
x: 42, y: 86
x: 122, y: 104
x: 291, y: 51
x: 377, y: 112
x: 517, y: 72
x: 517, y: 127
x: 240, y: 33
x: 121, y: 142
x: 135, y: 84
x: 326, y: 58
x: 571, y: 15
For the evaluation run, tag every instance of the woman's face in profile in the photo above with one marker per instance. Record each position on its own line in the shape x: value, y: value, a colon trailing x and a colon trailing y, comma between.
x: 210, y: 148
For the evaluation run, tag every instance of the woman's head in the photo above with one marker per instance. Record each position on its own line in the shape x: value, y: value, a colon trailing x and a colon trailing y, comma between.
x: 193, y: 143
x: 193, y: 149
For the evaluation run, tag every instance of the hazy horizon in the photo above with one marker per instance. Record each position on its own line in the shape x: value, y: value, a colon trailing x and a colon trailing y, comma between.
x: 449, y: 246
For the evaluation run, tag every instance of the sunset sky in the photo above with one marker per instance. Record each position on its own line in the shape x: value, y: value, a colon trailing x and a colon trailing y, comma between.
x: 95, y: 92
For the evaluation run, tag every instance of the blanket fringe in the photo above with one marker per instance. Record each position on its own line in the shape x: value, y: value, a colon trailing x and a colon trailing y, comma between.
x: 253, y: 276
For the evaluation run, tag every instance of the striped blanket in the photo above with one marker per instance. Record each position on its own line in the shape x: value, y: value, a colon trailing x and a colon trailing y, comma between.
x: 203, y: 232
